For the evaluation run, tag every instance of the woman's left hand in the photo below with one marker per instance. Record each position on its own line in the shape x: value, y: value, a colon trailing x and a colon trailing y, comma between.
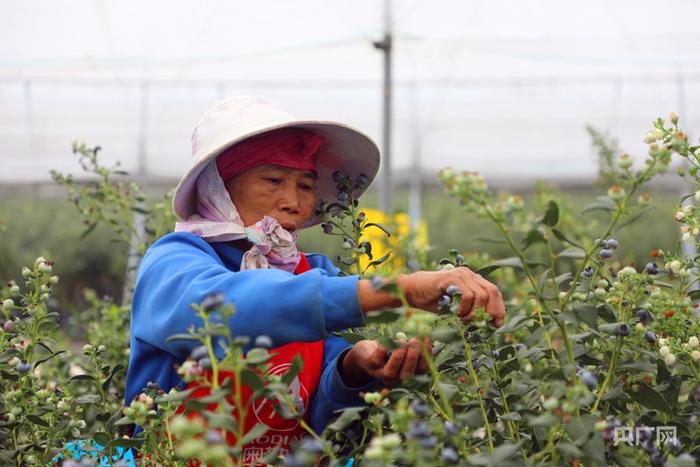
x: 369, y: 360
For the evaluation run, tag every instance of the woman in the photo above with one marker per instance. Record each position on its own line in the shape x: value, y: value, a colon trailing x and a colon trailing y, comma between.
x: 258, y: 177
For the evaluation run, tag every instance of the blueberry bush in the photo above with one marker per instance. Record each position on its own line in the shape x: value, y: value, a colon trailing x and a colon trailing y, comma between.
x: 598, y: 362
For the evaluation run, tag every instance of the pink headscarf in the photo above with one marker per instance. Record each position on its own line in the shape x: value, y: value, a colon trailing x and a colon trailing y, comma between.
x: 217, y: 219
x: 287, y: 147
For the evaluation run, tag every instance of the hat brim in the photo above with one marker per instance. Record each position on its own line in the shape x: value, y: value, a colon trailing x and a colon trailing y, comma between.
x: 345, y: 149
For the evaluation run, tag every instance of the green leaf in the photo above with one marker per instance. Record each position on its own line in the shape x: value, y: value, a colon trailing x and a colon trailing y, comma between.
x: 569, y: 449
x: 257, y: 431
x: 649, y: 398
x: 127, y: 442
x: 257, y: 356
x: 101, y: 438
x: 603, y: 204
x: 381, y: 227
x: 217, y: 420
x: 546, y: 420
x: 634, y: 217
x: 351, y: 337
x: 182, y: 337
x: 572, y: 252
x: 449, y: 390
x: 88, y: 399
x: 175, y: 396
x: 251, y: 379
x: 383, y: 317
x: 124, y: 421
x: 561, y: 278
x: 37, y: 420
x: 346, y: 418
x: 490, y: 240
x: 551, y: 216
x: 512, y: 416
x: 43, y: 360
x: 585, y: 313
x: 294, y: 369
x: 379, y: 261
x: 514, y: 323
x: 562, y: 238
x: 613, y: 393
x: 215, y: 397
x: 498, y: 457
x: 84, y: 377
x: 444, y: 334
x: 534, y: 236
x: 117, y: 367
x: 89, y: 230
x: 512, y: 262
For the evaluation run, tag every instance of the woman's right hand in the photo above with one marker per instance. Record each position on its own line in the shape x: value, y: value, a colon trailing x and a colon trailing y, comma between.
x: 423, y: 289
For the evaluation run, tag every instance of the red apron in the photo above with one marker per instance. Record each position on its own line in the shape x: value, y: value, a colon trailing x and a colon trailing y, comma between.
x: 281, y: 432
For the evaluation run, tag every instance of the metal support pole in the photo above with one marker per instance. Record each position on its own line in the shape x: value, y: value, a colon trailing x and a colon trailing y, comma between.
x: 689, y: 248
x: 415, y: 191
x: 385, y: 45
x: 139, y: 219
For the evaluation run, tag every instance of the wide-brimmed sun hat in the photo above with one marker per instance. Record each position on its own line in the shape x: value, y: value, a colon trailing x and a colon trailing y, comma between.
x: 233, y: 120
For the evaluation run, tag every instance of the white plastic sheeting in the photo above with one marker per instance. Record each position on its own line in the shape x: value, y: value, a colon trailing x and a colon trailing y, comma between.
x: 503, y: 87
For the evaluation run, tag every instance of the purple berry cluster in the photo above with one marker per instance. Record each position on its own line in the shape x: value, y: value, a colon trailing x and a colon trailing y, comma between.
x: 607, y: 247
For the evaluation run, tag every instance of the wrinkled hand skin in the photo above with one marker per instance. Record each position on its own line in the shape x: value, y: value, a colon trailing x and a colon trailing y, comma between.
x: 367, y: 361
x: 423, y: 289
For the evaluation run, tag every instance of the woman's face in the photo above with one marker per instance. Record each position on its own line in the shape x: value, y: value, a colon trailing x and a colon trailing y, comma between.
x: 288, y: 195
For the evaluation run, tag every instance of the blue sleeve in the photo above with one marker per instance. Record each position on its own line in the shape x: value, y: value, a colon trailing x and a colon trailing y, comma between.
x: 332, y: 393
x: 182, y: 269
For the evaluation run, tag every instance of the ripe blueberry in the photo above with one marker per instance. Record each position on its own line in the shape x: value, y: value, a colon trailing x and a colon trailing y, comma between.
x: 451, y: 428
x: 611, y: 244
x: 588, y: 272
x: 23, y: 367
x: 420, y: 408
x: 199, y: 352
x: 605, y: 253
x: 652, y: 268
x: 650, y: 337
x: 449, y: 455
x: 444, y: 301
x: 418, y: 429
x: 673, y: 444
x: 213, y: 301
x: 657, y: 460
x: 643, y: 315
x: 428, y: 442
x: 452, y: 290
x: 213, y: 437
x: 263, y: 341
x: 623, y: 330
x: 327, y: 228
x: 205, y: 363
x: 589, y: 379
x: 311, y: 445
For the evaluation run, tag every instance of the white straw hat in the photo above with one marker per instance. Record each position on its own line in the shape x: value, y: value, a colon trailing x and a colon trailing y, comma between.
x: 232, y: 120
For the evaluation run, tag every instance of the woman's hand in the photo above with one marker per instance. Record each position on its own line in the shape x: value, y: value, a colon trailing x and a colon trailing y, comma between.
x: 367, y: 360
x: 423, y: 289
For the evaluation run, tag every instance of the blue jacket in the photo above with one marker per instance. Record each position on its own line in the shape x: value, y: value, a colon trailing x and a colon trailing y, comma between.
x: 181, y: 269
